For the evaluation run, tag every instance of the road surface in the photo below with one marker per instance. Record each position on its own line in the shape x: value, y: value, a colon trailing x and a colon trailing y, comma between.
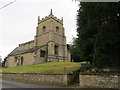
x: 13, y: 84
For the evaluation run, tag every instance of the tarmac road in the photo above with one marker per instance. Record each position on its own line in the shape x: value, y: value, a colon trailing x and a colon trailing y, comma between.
x: 13, y: 84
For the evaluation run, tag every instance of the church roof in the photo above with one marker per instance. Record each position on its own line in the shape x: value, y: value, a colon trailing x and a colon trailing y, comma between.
x: 14, y: 51
x: 17, y: 52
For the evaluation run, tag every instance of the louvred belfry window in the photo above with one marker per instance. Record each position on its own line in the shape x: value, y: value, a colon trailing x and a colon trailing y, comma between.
x: 43, y: 29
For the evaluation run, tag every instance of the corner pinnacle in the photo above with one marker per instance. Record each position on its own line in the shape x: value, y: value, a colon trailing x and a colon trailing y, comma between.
x: 51, y: 12
x: 38, y: 18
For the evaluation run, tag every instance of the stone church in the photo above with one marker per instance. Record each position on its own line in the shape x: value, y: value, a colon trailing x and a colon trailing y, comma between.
x: 49, y: 45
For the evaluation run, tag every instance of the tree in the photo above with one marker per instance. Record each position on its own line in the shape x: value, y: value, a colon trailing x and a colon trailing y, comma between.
x: 74, y: 51
x: 98, y: 33
x: 3, y: 63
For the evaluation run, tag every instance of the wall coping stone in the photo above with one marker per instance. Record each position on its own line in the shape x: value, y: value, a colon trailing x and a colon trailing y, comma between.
x: 39, y: 73
x: 102, y: 73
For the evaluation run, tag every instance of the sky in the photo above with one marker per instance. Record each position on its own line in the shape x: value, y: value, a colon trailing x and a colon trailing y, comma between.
x: 18, y: 20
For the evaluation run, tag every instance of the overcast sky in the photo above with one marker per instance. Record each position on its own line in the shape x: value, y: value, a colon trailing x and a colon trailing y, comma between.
x: 18, y: 21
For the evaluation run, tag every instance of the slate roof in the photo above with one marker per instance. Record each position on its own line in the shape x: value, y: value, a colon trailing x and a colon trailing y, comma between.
x: 17, y: 52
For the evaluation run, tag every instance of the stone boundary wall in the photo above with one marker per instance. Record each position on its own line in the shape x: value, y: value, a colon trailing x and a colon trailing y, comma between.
x: 100, y: 80
x: 51, y: 79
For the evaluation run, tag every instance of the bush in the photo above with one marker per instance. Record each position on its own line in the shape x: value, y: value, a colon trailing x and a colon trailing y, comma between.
x: 85, y: 67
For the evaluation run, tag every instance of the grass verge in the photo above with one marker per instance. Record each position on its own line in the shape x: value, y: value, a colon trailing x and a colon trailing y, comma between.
x: 50, y: 67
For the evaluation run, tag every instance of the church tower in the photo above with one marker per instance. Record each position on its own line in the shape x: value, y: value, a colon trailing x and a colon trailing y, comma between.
x: 49, y: 45
x: 50, y: 40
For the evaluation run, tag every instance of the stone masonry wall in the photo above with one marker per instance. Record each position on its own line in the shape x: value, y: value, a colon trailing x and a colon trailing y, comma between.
x: 51, y: 79
x: 100, y: 80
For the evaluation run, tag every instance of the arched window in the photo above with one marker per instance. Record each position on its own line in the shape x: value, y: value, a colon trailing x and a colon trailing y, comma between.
x: 43, y: 29
x: 57, y: 29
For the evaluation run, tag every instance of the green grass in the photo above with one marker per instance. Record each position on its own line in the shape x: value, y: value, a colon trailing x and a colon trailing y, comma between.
x: 51, y: 67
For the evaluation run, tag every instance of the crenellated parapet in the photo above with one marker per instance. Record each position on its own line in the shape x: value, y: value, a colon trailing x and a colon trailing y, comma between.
x: 50, y: 16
